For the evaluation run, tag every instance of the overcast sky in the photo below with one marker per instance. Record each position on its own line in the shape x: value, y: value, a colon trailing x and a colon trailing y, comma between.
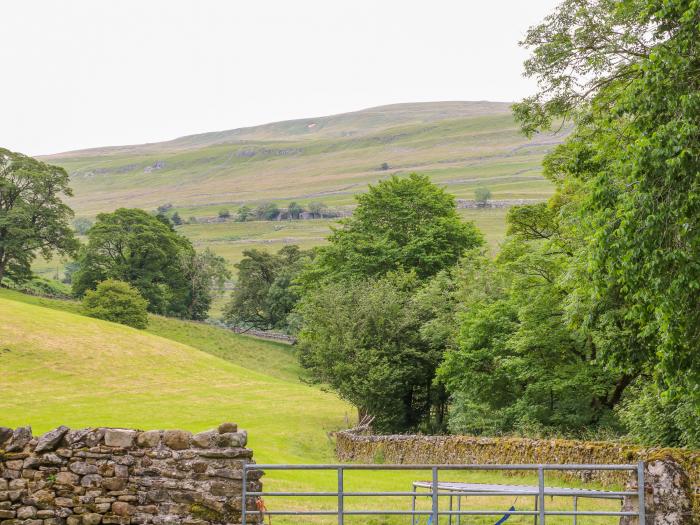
x: 85, y: 73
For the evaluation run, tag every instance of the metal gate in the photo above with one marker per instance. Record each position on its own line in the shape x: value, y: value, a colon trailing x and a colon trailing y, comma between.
x: 451, y: 491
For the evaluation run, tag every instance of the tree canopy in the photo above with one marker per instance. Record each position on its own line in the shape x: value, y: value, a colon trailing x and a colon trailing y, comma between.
x: 626, y: 74
x: 399, y: 224
x: 33, y: 217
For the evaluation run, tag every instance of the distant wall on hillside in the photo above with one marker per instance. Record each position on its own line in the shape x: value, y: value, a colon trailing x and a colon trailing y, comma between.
x: 417, y: 449
x: 123, y: 476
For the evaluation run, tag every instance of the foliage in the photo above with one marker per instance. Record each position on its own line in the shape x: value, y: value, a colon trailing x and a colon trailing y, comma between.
x: 224, y: 214
x: 482, y: 196
x: 176, y: 219
x: 363, y: 338
x: 244, y: 213
x: 384, y: 166
x: 264, y: 294
x: 205, y: 274
x: 399, y: 224
x: 118, y: 302
x: 163, y: 208
x: 33, y: 218
x: 133, y: 246
x: 317, y: 209
x: 627, y: 73
x: 40, y: 287
x: 82, y: 225
x: 266, y: 211
x: 295, y: 210
x: 654, y: 419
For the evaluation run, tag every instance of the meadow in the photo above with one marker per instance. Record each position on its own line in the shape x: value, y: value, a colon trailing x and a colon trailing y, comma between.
x: 59, y: 367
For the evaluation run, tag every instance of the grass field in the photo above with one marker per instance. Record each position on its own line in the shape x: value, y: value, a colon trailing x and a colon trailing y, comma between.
x: 58, y: 367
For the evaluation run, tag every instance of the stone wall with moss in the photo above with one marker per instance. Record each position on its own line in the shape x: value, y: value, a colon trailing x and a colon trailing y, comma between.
x: 123, y: 476
x: 361, y: 447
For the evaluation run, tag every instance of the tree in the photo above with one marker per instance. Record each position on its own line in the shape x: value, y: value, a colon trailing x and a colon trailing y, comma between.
x: 82, y: 225
x: 384, y: 166
x: 399, y: 224
x: 244, y: 213
x: 482, y: 196
x: 176, y: 219
x: 626, y: 73
x: 118, y: 302
x: 317, y: 209
x: 295, y: 210
x: 267, y: 211
x: 205, y: 274
x: 363, y: 339
x: 264, y: 294
x: 133, y: 246
x: 163, y: 208
x: 33, y: 218
x: 224, y: 214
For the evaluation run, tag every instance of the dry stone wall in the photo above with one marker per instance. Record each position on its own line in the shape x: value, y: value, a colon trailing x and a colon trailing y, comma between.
x: 123, y: 476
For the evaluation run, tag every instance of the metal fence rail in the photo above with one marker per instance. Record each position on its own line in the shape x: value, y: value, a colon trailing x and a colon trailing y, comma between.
x: 435, y: 493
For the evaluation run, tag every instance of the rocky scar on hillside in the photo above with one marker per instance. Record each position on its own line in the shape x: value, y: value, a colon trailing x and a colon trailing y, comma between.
x: 123, y: 476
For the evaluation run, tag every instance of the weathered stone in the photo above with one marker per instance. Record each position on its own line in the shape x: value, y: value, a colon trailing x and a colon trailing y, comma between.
x: 4, y: 484
x: 231, y: 439
x: 4, y: 514
x: 44, y: 514
x: 21, y: 436
x: 67, y: 478
x: 204, y: 439
x: 26, y: 513
x: 117, y: 520
x: 177, y: 439
x: 82, y: 468
x: 148, y: 439
x: 91, y: 518
x: 51, y: 439
x: 224, y: 428
x: 226, y: 453
x: 121, y: 508
x: 91, y: 480
x: 121, y: 471
x: 5, y: 435
x: 73, y: 520
x: 18, y: 484
x: 113, y: 484
x: 63, y: 502
x: 119, y: 437
x: 43, y: 497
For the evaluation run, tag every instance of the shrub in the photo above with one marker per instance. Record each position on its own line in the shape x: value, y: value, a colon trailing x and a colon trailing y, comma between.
x: 118, y: 302
x: 482, y: 196
x: 224, y: 214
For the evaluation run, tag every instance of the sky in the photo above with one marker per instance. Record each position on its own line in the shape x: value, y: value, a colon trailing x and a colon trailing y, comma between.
x: 87, y: 73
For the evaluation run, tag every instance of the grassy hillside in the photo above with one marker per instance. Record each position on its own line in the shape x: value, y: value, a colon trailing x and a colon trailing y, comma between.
x: 460, y: 144
x: 62, y: 368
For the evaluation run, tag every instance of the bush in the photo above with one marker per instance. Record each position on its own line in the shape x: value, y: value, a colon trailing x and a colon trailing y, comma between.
x: 224, y: 214
x: 118, y: 302
x: 482, y: 196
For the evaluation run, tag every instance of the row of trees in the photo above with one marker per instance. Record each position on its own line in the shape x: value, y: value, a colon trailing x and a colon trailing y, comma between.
x: 128, y: 245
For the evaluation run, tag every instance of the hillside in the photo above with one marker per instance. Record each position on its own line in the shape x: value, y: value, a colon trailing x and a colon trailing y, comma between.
x: 460, y: 144
x: 63, y: 368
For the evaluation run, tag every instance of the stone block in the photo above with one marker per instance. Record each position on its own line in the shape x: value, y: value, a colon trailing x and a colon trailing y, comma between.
x: 26, y: 513
x: 51, y: 439
x: 227, y: 427
x: 177, y: 439
x: 148, y: 439
x: 119, y: 437
x: 204, y: 439
x: 91, y: 518
x: 21, y: 437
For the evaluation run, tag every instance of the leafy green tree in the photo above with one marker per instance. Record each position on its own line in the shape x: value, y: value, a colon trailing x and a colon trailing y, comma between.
x: 264, y: 294
x: 118, y: 302
x: 295, y: 210
x: 133, y: 246
x: 224, y: 214
x: 176, y: 219
x: 267, y: 211
x: 626, y: 73
x: 482, y: 196
x: 33, y: 218
x: 405, y: 224
x: 205, y: 274
x: 82, y: 225
x: 244, y: 213
x: 318, y: 209
x: 363, y: 339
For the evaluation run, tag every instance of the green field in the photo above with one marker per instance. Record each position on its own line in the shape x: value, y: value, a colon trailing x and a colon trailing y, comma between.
x: 59, y: 367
